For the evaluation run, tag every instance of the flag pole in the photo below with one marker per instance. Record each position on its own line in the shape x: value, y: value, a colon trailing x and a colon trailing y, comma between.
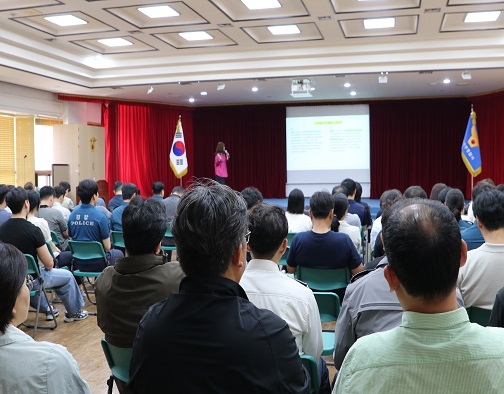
x: 472, y: 177
x: 180, y: 118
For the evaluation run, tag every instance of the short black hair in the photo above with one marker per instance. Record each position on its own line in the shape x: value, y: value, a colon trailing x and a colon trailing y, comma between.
x: 16, y: 199
x: 144, y: 225
x: 296, y: 201
x: 128, y: 190
x: 157, y: 187
x: 87, y: 189
x: 268, y: 228
x: 59, y: 191
x: 489, y: 209
x: 13, y: 269
x: 423, y: 244
x: 321, y: 204
x: 349, y: 186
x: 479, y: 188
x: 252, y: 196
x: 4, y: 189
x: 66, y: 185
x: 33, y: 199
x: 455, y: 202
x: 209, y: 225
x: 118, y: 186
x: 358, y: 192
x: 29, y: 186
x: 415, y: 192
x: 338, y: 189
x: 46, y: 192
x: 442, y: 194
x: 340, y: 205
x: 178, y: 189
x: 388, y: 197
x: 435, y: 191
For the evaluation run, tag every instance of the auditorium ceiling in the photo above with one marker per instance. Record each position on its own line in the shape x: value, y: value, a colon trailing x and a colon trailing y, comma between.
x: 234, y: 46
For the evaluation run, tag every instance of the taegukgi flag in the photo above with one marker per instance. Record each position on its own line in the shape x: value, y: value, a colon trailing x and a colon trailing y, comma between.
x: 470, y: 147
x: 178, y: 158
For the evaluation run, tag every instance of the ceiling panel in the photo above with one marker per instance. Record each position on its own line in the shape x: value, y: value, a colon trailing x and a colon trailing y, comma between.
x: 261, y: 34
x: 237, y: 11
x: 376, y: 5
x: 403, y: 25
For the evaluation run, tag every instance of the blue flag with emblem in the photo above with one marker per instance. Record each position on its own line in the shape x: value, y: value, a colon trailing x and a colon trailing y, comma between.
x: 470, y: 147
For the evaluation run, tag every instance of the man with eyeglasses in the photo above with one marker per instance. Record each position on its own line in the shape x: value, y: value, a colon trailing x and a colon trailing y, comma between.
x: 210, y: 326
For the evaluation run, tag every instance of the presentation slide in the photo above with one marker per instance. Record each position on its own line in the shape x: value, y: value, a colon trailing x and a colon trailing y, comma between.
x: 326, y: 144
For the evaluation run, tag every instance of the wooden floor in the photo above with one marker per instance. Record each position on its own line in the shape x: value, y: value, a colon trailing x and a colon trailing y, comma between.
x: 82, y: 339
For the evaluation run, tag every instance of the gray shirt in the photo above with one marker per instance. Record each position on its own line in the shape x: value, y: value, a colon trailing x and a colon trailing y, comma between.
x: 170, y: 204
x: 57, y: 223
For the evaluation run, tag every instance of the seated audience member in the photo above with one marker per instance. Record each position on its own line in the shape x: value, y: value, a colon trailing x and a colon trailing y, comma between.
x: 29, y: 239
x: 339, y: 225
x: 27, y: 366
x: 442, y: 194
x: 497, y: 315
x: 387, y: 198
x: 472, y: 235
x: 87, y: 223
x: 455, y: 203
x: 117, y: 199
x: 67, y: 201
x: 34, y: 201
x: 29, y: 186
x: 210, y: 325
x: 126, y: 291
x: 171, y: 202
x: 415, y: 192
x: 59, y: 195
x: 358, y: 196
x: 435, y: 349
x: 4, y: 214
x: 350, y: 190
x: 351, y: 218
x: 483, y: 276
x: 435, y: 191
x: 321, y: 247
x: 54, y: 218
x: 129, y: 191
x: 268, y: 288
x: 297, y: 220
x: 486, y: 181
x: 252, y: 196
x: 158, y: 191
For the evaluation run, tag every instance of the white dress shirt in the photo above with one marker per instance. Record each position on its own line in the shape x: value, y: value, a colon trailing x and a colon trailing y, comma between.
x: 298, y: 222
x: 353, y: 232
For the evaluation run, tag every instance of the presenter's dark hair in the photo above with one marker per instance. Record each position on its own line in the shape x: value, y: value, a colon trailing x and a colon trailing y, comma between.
x: 268, y: 228
x: 87, y: 189
x: 66, y: 185
x: 209, y: 225
x: 34, y: 200
x: 144, y: 225
x: 321, y: 204
x: 13, y: 270
x: 118, y: 186
x: 455, y: 202
x: 252, y: 196
x: 128, y: 190
x: 340, y: 207
x: 157, y: 187
x: 220, y: 147
x: 296, y: 202
x: 46, y: 192
x: 4, y: 189
x: 489, y: 209
x: 435, y: 191
x: 349, y: 186
x: 16, y: 199
x: 415, y: 192
x: 423, y: 244
x: 59, y: 191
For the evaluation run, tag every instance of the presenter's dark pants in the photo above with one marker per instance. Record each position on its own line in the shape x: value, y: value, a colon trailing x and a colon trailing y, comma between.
x: 220, y: 179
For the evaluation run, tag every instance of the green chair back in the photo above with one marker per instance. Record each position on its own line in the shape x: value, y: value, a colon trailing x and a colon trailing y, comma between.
x: 283, y: 260
x: 118, y: 360
x: 33, y: 268
x: 55, y: 239
x: 312, y: 367
x: 329, y: 306
x: 87, y: 250
x: 324, y: 279
x: 479, y: 315
x: 117, y: 239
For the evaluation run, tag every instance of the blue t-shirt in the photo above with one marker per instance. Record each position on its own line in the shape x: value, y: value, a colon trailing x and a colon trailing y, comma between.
x: 4, y: 216
x: 330, y: 250
x: 116, y: 218
x: 473, y: 237
x: 115, y: 202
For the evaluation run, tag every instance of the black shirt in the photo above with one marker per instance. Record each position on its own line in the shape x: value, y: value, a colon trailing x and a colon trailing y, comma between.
x: 23, y: 235
x: 210, y: 339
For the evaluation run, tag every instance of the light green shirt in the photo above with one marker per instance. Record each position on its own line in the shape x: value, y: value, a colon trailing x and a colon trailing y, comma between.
x: 438, y: 353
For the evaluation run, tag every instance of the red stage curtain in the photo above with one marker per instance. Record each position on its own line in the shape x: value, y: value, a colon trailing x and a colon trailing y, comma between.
x: 255, y: 138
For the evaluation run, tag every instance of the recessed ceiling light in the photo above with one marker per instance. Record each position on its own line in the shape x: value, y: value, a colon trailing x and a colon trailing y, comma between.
x: 65, y: 20
x: 261, y: 4
x: 161, y: 11
x: 446, y: 81
x: 191, y: 100
x: 347, y: 85
x: 353, y: 93
x: 284, y: 29
x: 255, y: 89
x: 203, y: 93
x: 488, y: 16
x: 196, y: 35
x: 115, y: 42
x: 379, y: 23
